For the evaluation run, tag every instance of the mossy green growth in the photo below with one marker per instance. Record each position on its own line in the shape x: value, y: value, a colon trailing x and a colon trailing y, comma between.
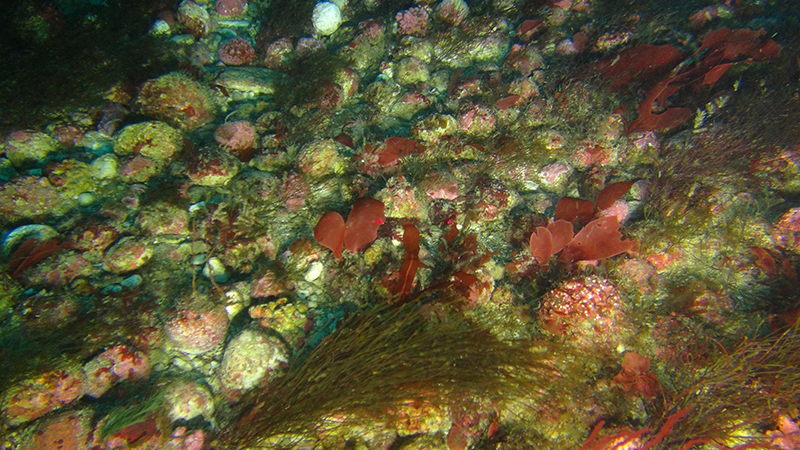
x: 382, y: 359
x: 127, y: 415
x: 8, y: 292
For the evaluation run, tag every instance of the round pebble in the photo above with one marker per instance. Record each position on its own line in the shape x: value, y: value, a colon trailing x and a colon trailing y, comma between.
x: 87, y: 198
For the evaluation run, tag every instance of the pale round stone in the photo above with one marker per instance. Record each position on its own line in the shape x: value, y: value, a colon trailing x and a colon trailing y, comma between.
x: 215, y: 268
x: 314, y: 271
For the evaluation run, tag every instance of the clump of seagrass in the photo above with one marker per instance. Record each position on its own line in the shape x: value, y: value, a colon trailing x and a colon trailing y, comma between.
x: 381, y: 359
x: 125, y: 416
x: 750, y: 385
x: 720, y: 405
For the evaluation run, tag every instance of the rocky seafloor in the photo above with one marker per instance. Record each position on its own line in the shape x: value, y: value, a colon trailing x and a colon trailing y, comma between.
x: 510, y: 224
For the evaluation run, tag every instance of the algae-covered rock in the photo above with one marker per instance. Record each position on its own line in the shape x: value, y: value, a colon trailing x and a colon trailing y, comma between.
x: 248, y: 360
x: 212, y: 166
x: 248, y: 82
x: 402, y: 200
x: 37, y: 197
x: 105, y: 167
x: 156, y: 141
x: 23, y: 148
x: 41, y: 394
x: 127, y: 255
x: 146, y: 148
x: 187, y: 400
x: 411, y: 70
x: 321, y: 158
x: 432, y: 128
x: 197, y: 330
x: 178, y: 100
x: 485, y: 40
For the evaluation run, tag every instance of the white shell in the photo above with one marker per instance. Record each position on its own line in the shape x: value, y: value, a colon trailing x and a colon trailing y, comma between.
x: 326, y: 17
x: 18, y: 235
x: 105, y: 167
x: 314, y: 271
x: 214, y: 267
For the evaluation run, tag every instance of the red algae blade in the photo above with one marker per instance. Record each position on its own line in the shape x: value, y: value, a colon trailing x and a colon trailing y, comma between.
x: 362, y: 224
x: 612, y: 193
x: 562, y: 233
x: 671, y: 118
x: 411, y: 262
x: 330, y: 231
x: 569, y: 209
x: 599, y: 239
x: 541, y: 244
x: 411, y: 239
x: 396, y: 148
x: 639, y: 63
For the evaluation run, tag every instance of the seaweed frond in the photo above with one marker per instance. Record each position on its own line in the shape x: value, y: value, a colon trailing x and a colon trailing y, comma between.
x: 382, y: 359
x: 752, y: 384
x: 127, y: 415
